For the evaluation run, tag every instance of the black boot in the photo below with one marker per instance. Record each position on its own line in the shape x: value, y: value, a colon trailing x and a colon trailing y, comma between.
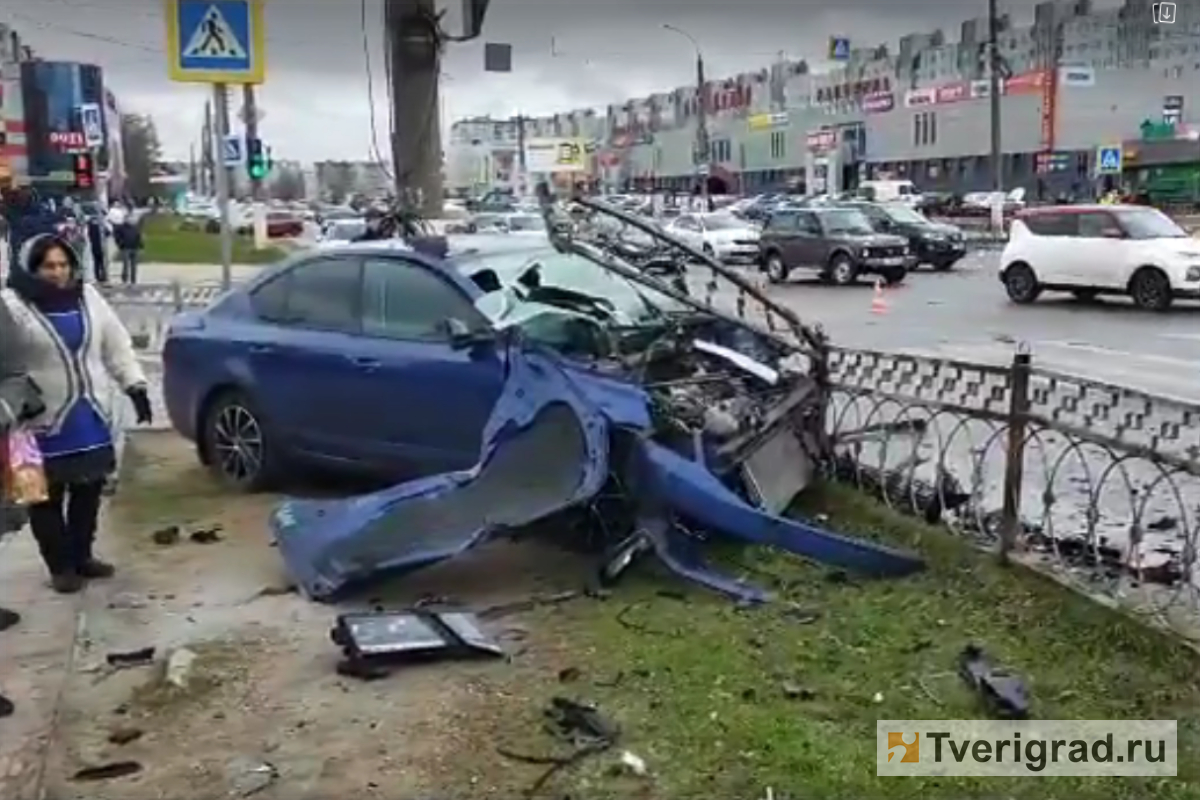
x: 95, y: 569
x: 67, y: 582
x: 8, y: 619
x: 6, y: 707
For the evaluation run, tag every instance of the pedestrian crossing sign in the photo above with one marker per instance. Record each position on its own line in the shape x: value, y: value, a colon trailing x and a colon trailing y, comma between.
x: 1109, y: 160
x: 839, y: 48
x: 216, y: 41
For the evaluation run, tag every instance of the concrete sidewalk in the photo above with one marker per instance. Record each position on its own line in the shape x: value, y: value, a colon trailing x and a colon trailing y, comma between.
x: 35, y: 661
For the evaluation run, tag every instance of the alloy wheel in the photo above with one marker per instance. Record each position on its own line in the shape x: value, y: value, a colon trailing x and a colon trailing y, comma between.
x: 238, y: 446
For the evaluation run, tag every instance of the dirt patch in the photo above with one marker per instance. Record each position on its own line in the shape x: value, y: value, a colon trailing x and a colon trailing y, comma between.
x: 262, y: 687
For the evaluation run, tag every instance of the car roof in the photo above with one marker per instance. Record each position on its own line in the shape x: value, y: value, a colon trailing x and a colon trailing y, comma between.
x: 1073, y: 209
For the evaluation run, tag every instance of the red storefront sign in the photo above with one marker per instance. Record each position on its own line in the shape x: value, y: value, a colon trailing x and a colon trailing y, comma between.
x: 1026, y: 82
x: 68, y: 140
x: 953, y: 92
x: 879, y: 103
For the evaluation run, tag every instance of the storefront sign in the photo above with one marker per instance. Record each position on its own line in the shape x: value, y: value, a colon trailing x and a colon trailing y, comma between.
x: 821, y: 140
x: 68, y: 140
x: 1075, y: 77
x: 915, y: 98
x: 1026, y: 83
x: 763, y: 122
x: 1172, y: 109
x: 981, y: 90
x: 853, y: 91
x: 879, y: 103
x: 953, y: 92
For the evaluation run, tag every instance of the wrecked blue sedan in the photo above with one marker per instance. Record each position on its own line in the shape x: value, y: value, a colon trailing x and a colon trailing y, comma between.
x: 635, y: 419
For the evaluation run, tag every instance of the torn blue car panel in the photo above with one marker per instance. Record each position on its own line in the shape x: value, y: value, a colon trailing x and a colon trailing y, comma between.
x: 546, y: 450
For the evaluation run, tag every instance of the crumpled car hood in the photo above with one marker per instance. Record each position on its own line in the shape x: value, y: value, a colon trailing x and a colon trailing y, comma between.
x: 548, y: 448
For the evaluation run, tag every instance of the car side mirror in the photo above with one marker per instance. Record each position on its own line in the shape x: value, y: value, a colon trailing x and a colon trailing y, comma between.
x: 460, y: 336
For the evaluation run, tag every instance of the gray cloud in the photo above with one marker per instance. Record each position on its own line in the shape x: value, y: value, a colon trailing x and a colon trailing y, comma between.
x: 316, y: 94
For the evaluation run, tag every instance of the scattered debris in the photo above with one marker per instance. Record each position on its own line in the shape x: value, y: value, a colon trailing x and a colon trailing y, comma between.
x: 580, y: 724
x: 386, y: 637
x: 877, y: 697
x: 794, y: 691
x: 206, y: 535
x: 179, y: 667
x: 166, y: 536
x: 635, y: 764
x: 801, y: 615
x: 569, y: 675
x: 126, y: 602
x: 248, y: 777
x: 107, y: 772
x: 125, y: 735
x: 529, y: 604
x: 1004, y: 693
x: 131, y: 658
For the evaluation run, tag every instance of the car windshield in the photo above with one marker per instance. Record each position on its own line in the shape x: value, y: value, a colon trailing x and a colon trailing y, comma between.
x: 632, y: 302
x: 1149, y: 223
x: 903, y: 214
x: 722, y: 222
x: 346, y: 231
x: 846, y: 220
x: 526, y: 222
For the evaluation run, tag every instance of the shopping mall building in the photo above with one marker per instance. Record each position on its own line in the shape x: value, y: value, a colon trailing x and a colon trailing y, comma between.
x: 43, y: 106
x: 1079, y: 78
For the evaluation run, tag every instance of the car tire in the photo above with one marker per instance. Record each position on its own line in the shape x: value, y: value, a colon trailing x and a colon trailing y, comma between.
x: 240, y: 453
x: 842, y: 270
x: 1150, y: 289
x: 1021, y: 284
x: 777, y: 271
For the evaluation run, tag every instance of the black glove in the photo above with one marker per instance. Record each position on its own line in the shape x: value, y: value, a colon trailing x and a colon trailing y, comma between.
x: 141, y: 404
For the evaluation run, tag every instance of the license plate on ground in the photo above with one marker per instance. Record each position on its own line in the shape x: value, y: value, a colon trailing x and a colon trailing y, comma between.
x: 777, y: 471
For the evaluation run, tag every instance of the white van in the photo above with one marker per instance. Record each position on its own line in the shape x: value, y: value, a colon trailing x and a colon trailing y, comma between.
x: 889, y: 192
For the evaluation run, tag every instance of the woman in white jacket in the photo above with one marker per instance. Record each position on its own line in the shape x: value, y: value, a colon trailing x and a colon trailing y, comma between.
x: 81, y: 357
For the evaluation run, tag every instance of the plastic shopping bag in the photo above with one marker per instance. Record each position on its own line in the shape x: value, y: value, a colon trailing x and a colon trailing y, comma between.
x: 23, y: 477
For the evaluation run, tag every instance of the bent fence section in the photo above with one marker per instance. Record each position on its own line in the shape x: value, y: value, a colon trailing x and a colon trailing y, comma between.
x: 1097, y: 483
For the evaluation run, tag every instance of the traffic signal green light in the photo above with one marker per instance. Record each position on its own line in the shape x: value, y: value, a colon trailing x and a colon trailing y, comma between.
x: 256, y: 159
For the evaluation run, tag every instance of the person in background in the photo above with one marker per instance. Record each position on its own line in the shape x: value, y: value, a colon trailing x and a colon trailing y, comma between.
x: 25, y: 217
x: 95, y: 239
x: 128, y: 237
x: 79, y: 354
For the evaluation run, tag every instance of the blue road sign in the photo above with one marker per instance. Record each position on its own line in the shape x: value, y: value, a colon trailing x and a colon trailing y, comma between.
x: 1108, y: 160
x: 216, y: 41
x: 232, y: 150
x: 839, y: 48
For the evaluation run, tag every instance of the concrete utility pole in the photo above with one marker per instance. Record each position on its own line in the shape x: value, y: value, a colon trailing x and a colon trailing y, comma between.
x: 703, y: 155
x: 994, y: 97
x: 250, y: 114
x: 414, y: 54
x: 522, y: 164
x: 223, y: 174
x: 206, y: 152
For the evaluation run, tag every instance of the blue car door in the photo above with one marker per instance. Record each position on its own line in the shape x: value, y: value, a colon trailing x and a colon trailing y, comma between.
x: 424, y: 400
x: 304, y: 358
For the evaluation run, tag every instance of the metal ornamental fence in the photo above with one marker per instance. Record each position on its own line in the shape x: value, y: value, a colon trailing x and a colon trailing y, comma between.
x: 1096, y: 483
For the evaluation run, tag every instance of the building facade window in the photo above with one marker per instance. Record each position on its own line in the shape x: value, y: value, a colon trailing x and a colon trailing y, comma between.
x: 924, y: 129
x: 778, y: 146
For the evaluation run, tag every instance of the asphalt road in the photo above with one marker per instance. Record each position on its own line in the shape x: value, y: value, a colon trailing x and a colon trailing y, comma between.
x: 966, y: 314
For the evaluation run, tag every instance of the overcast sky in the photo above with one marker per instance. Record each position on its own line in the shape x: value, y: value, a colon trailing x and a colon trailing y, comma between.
x: 316, y: 97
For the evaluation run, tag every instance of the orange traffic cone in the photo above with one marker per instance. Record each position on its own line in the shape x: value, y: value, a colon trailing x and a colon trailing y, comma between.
x: 878, y: 301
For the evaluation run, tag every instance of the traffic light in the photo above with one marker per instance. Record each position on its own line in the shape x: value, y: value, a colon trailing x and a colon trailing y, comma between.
x: 256, y: 159
x: 85, y: 177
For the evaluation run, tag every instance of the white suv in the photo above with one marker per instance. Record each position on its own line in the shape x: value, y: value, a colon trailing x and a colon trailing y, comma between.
x: 1094, y: 250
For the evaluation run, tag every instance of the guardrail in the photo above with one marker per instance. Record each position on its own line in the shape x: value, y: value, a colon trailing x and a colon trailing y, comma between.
x: 147, y: 308
x: 1095, y: 483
